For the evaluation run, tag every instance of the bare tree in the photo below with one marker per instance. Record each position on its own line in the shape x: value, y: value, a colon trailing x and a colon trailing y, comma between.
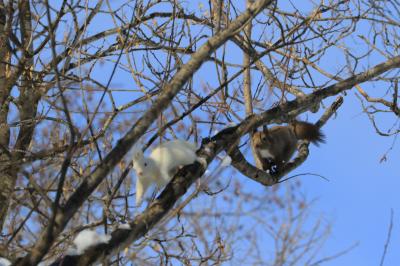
x: 82, y: 82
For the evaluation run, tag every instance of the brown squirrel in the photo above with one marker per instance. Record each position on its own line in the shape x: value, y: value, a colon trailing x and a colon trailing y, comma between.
x: 275, y: 146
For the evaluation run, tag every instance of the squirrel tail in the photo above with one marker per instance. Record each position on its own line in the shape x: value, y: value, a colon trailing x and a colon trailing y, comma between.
x: 308, y: 131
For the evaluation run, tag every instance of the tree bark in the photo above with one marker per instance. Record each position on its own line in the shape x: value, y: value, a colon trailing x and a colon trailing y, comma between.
x: 27, y: 104
x: 248, y: 99
x: 7, y: 175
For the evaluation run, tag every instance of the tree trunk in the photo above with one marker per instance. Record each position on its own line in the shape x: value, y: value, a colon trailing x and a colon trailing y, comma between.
x: 7, y: 176
x: 27, y: 103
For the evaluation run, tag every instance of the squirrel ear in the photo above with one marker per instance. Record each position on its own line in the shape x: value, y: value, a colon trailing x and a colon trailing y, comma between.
x: 138, y: 154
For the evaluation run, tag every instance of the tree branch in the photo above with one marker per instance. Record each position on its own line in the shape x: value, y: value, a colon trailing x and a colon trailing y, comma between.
x: 264, y: 178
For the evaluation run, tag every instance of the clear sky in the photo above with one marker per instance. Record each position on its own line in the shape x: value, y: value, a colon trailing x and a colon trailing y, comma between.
x: 361, y: 191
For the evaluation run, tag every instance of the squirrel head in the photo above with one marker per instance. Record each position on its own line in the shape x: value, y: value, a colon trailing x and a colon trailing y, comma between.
x: 139, y: 163
x: 143, y: 166
x: 261, y: 139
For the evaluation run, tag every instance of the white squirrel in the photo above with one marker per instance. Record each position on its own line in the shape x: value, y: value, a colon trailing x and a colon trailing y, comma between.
x: 161, y: 165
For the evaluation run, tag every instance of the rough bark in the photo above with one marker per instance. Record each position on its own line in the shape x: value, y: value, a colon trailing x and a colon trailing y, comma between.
x: 27, y: 105
x: 248, y: 99
x: 7, y: 174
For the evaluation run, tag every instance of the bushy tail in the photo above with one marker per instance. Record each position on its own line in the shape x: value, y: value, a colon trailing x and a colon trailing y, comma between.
x: 308, y: 131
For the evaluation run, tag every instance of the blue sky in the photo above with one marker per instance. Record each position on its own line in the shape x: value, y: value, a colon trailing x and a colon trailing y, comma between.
x: 361, y: 191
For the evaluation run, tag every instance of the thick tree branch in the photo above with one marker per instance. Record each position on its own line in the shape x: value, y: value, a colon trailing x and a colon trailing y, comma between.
x: 7, y: 173
x: 28, y: 100
x: 264, y: 178
x: 247, y: 92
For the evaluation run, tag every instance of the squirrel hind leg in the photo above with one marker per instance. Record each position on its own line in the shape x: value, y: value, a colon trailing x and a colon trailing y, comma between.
x: 172, y: 172
x: 202, y: 161
x: 165, y: 177
x: 266, y: 164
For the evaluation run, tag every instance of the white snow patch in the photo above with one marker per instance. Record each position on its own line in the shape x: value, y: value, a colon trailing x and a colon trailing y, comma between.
x: 226, y: 161
x: 88, y: 238
x: 207, y: 172
x: 124, y: 226
x: 4, y: 262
